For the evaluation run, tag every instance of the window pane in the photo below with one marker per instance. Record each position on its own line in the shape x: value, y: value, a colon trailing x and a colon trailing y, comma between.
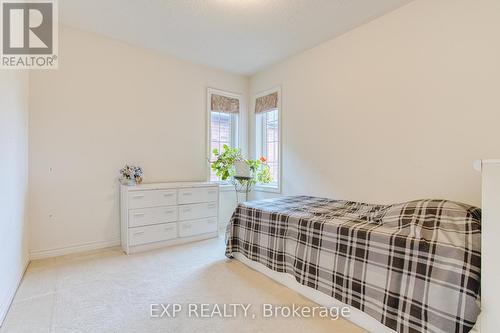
x: 225, y: 127
x: 221, y: 133
x: 213, y: 145
x: 273, y: 168
x: 214, y: 126
x: 275, y: 113
x: 272, y: 132
x: 270, y: 142
x: 271, y: 157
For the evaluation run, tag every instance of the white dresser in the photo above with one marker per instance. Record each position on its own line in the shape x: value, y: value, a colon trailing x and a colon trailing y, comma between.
x: 156, y: 215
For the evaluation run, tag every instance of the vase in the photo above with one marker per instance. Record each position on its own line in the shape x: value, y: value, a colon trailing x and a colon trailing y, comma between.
x: 128, y: 182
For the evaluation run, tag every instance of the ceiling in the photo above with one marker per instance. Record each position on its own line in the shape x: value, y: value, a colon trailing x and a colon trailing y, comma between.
x: 240, y: 36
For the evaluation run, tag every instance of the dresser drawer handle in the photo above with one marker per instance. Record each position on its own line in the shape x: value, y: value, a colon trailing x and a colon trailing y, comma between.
x: 187, y: 193
x: 138, y: 196
x: 168, y: 194
x: 169, y: 212
x: 139, y: 214
x: 169, y: 228
x: 138, y: 233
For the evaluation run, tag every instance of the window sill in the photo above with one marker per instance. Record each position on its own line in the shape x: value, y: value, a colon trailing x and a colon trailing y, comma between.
x: 259, y: 188
x: 270, y: 189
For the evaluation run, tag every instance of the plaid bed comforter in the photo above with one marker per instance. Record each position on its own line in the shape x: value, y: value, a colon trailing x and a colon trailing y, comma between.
x: 415, y: 266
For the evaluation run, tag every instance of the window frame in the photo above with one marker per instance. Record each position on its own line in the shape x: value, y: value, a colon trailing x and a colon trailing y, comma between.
x: 235, y: 127
x: 259, y: 134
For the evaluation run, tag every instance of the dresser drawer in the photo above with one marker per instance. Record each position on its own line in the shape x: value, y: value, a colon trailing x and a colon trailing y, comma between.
x: 197, y: 227
x: 148, y: 216
x: 152, y: 233
x: 198, y: 194
x: 197, y: 211
x: 152, y: 198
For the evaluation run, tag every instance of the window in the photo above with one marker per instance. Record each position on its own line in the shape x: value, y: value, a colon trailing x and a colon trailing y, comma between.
x: 223, y: 113
x: 268, y: 138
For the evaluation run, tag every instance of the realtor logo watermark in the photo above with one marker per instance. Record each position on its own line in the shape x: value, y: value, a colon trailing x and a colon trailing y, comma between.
x: 29, y: 34
x: 235, y: 310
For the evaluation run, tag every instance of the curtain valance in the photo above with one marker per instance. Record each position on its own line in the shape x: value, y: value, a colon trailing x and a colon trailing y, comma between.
x: 266, y: 103
x: 225, y: 104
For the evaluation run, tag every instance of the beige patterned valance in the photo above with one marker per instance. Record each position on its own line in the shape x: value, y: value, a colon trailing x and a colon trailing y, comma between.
x: 266, y: 103
x: 225, y: 104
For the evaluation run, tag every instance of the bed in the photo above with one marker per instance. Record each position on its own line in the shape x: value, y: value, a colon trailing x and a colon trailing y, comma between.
x: 412, y: 267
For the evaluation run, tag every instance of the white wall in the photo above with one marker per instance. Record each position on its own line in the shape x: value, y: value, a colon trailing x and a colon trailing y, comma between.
x: 109, y: 104
x: 396, y: 109
x: 14, y: 183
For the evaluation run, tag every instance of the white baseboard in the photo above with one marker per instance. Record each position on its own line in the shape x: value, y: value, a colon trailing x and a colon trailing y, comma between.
x: 55, y: 252
x: 172, y: 242
x: 6, y: 303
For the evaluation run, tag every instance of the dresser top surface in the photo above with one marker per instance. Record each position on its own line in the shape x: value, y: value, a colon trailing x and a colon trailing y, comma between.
x: 166, y: 185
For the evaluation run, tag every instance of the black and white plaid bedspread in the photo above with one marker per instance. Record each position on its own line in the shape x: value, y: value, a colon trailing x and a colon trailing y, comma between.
x: 414, y: 266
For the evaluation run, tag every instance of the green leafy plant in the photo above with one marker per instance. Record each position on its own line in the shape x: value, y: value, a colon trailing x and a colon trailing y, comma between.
x: 224, y: 167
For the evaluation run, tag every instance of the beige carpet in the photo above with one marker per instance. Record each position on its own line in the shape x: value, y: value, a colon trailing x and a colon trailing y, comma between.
x: 107, y: 291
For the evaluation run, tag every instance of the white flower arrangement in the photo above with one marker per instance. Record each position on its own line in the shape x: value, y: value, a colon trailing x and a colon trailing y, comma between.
x: 131, y: 173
